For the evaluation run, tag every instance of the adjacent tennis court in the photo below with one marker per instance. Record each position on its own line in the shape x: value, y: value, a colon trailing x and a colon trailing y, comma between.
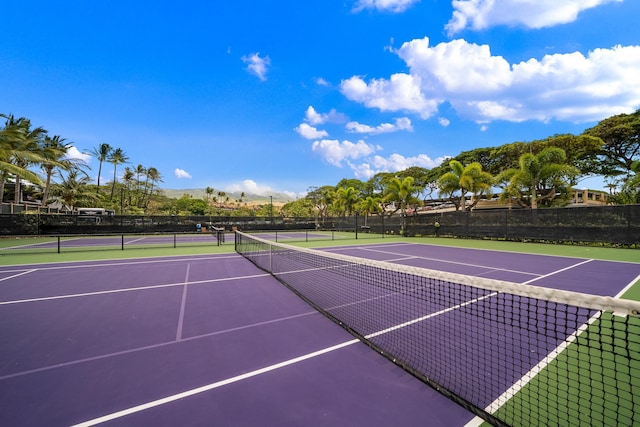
x: 212, y: 339
x: 97, y: 242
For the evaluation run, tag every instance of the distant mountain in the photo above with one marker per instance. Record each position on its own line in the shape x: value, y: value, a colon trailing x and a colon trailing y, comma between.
x: 199, y: 193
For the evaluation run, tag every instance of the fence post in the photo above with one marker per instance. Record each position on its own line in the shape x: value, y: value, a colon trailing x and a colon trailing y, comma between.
x: 507, y: 213
x: 356, y: 225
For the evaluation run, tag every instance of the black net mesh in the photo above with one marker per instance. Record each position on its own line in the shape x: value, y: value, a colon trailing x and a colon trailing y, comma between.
x: 511, y: 356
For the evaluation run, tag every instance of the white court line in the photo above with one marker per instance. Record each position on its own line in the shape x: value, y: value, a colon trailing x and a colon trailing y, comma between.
x: 154, y: 346
x: 183, y: 305
x: 134, y: 240
x: 140, y: 288
x: 195, y: 337
x: 261, y: 371
x: 18, y: 275
x: 526, y: 378
x: 213, y: 386
x: 114, y: 262
x: 454, y: 262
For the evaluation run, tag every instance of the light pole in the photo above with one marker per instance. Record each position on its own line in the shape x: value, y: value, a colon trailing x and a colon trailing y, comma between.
x: 271, y: 207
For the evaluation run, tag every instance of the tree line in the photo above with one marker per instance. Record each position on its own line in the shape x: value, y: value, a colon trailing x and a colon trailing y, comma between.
x: 40, y: 169
x: 533, y: 174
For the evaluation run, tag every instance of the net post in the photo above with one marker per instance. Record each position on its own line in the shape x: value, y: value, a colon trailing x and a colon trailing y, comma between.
x: 122, y: 243
x: 58, y: 244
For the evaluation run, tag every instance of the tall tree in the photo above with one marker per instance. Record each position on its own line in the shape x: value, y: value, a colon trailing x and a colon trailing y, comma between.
x: 621, y: 137
x: 14, y: 149
x: 140, y: 171
x: 74, y: 190
x: 369, y: 205
x: 129, y: 183
x: 101, y: 153
x: 346, y: 199
x: 153, y: 178
x: 322, y: 199
x: 362, y: 188
x: 401, y: 193
x: 462, y: 180
x: 116, y: 157
x: 630, y: 191
x: 25, y: 153
x: 539, y: 178
x: 54, y: 152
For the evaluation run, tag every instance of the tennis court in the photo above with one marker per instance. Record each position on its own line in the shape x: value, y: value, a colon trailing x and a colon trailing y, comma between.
x: 100, y: 242
x: 214, y: 340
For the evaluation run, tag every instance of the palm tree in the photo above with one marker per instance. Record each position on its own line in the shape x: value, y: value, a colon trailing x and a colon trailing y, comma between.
x: 402, y: 193
x: 140, y: 170
x: 327, y: 201
x: 208, y: 192
x: 154, y: 176
x: 54, y: 151
x: 128, y: 181
x: 539, y: 177
x: 221, y: 194
x: 13, y: 147
x: 74, y: 190
x: 465, y: 179
x: 21, y: 149
x: 368, y: 206
x: 346, y: 199
x: 116, y: 157
x: 102, y: 154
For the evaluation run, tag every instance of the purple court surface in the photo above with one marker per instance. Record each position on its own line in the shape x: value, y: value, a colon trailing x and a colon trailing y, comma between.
x: 212, y: 340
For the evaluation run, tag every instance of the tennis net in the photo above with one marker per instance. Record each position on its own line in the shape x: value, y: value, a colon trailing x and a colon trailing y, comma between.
x: 512, y: 354
x: 218, y: 233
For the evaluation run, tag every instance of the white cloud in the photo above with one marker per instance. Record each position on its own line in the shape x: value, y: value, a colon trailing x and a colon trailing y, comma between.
x: 249, y: 186
x: 400, y: 93
x: 393, y: 163
x: 335, y: 152
x: 310, y: 132
x: 394, y: 6
x: 180, y: 174
x: 402, y: 123
x: 257, y: 65
x: 75, y: 154
x: 484, y: 87
x: 444, y: 121
x: 481, y: 14
x: 313, y: 117
x: 456, y: 66
x: 322, y: 82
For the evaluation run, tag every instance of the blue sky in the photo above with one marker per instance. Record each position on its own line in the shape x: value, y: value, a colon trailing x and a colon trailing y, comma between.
x: 261, y: 96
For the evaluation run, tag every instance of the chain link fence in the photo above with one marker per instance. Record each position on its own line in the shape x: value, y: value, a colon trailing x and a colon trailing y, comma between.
x: 616, y: 225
